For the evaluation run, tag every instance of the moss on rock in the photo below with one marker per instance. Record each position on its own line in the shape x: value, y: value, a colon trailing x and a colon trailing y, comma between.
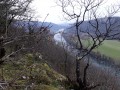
x: 29, y: 72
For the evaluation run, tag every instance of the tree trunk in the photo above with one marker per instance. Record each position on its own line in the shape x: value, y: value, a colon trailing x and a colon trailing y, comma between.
x: 79, y: 80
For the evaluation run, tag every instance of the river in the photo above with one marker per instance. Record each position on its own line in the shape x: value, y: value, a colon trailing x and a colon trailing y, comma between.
x: 60, y: 39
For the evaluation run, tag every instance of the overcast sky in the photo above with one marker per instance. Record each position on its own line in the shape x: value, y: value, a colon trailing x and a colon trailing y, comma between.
x: 44, y: 7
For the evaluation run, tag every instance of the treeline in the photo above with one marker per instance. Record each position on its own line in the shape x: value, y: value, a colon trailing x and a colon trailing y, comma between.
x: 105, y: 60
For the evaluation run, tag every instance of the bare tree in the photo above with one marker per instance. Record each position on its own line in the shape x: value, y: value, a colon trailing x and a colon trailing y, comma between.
x: 79, y: 11
x: 11, y: 11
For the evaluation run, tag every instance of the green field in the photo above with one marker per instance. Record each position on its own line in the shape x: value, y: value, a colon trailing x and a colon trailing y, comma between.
x: 110, y: 48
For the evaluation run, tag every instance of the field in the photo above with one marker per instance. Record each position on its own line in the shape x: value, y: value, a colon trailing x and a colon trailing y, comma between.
x: 110, y: 48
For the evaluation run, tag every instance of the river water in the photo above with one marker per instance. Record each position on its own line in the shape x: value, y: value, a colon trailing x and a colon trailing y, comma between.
x: 59, y: 39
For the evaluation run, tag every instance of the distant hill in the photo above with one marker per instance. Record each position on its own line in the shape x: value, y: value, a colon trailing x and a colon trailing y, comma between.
x: 52, y: 26
x: 86, y: 27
